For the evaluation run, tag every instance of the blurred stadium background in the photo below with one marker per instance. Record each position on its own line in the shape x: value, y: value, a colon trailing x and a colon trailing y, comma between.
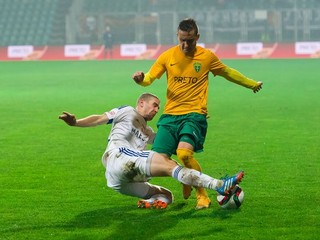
x: 154, y: 22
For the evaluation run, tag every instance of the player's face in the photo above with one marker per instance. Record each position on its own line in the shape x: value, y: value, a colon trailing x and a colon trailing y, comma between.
x: 187, y: 41
x: 151, y: 108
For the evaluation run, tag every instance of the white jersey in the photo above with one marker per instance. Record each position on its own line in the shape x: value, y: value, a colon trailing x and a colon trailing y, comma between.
x: 124, y: 157
x: 129, y: 129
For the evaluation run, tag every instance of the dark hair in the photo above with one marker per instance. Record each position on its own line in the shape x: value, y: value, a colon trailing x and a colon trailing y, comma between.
x: 187, y: 25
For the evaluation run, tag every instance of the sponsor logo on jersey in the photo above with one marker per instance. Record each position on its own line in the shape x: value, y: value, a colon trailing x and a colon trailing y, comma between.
x: 138, y: 134
x: 191, y: 80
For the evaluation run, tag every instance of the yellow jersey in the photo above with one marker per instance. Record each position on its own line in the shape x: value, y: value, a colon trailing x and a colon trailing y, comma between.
x: 187, y: 79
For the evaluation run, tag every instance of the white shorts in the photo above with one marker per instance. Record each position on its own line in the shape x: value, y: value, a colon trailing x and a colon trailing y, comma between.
x: 125, y: 165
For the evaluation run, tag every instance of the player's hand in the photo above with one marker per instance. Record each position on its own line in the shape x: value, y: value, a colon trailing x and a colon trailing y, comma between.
x: 258, y: 87
x: 138, y: 76
x: 69, y: 118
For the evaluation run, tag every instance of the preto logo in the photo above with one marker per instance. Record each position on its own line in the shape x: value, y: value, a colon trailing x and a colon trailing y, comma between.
x: 186, y: 79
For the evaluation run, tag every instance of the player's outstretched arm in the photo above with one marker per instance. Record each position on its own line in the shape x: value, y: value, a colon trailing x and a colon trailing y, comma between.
x: 235, y: 76
x: 90, y: 121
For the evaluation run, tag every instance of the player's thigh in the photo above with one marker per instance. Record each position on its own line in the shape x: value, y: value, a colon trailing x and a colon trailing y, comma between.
x: 161, y: 165
x: 194, y: 131
x: 136, y: 189
x: 128, y: 165
x: 144, y: 190
x: 166, y: 141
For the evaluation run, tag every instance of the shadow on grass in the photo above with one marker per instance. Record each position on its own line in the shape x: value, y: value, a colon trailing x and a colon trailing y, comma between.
x: 129, y: 223
x: 178, y: 221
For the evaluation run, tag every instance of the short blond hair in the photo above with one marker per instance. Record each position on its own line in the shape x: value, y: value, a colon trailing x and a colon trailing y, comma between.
x: 146, y: 97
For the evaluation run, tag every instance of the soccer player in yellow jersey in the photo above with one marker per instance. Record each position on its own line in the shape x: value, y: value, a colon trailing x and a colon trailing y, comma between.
x: 183, y: 125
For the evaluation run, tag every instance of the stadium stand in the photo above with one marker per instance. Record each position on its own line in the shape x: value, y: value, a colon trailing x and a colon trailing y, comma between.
x: 98, y: 6
x: 34, y: 22
x: 43, y: 22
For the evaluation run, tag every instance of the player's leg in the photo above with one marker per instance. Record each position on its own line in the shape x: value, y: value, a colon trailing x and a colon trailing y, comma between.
x: 186, y: 156
x: 191, y: 139
x: 111, y: 51
x: 198, y: 179
x: 167, y: 140
x: 128, y: 171
x: 152, y: 196
x: 162, y: 166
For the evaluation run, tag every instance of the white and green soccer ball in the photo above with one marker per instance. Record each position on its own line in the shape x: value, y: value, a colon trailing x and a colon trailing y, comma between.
x: 233, y: 200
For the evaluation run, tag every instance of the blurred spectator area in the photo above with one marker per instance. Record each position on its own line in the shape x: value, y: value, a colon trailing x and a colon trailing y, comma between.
x: 58, y: 22
x: 34, y: 22
x: 228, y: 21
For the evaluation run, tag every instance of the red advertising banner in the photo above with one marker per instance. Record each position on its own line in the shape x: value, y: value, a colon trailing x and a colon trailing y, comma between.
x: 141, y: 51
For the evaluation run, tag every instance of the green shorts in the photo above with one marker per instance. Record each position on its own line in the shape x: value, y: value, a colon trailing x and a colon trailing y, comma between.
x: 172, y: 129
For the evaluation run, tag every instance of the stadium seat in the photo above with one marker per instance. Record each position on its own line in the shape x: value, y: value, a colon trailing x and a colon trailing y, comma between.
x: 26, y: 22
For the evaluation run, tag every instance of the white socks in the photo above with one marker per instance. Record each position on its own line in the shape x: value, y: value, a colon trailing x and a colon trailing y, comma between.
x: 194, y: 178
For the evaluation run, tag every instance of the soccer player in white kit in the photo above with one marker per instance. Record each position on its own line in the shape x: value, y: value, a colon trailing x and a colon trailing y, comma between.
x: 129, y: 166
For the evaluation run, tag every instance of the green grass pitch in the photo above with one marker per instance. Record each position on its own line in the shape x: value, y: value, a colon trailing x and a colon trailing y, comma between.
x: 52, y: 183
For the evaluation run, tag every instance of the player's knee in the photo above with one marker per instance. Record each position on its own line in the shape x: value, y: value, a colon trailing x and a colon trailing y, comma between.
x: 160, y: 193
x: 169, y: 196
x: 185, y: 155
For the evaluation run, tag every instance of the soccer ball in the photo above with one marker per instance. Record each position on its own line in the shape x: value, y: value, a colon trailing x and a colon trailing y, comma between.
x: 232, y: 200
